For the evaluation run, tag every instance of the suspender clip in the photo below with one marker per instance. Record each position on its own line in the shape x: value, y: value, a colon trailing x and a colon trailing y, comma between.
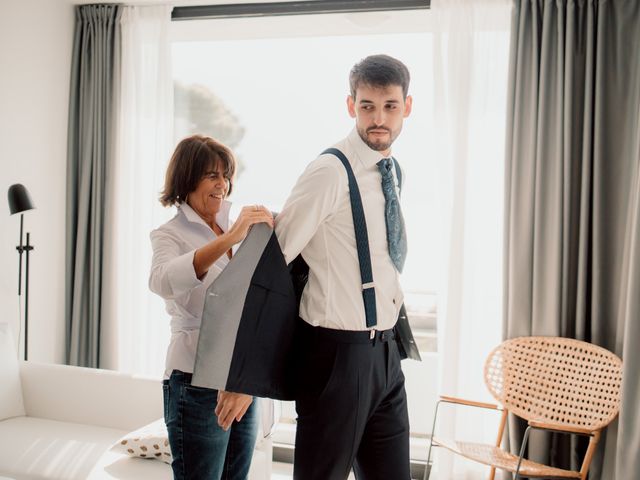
x: 368, y: 285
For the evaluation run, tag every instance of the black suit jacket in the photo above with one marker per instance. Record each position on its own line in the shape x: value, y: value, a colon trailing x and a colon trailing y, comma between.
x: 246, y: 341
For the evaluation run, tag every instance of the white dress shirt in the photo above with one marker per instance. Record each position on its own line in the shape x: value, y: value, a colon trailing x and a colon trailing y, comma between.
x: 173, y: 277
x: 316, y: 221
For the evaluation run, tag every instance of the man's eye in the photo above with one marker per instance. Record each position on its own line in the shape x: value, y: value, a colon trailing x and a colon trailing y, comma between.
x: 392, y: 106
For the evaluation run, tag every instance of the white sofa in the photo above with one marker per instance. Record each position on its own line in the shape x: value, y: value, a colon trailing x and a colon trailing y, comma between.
x: 71, y: 416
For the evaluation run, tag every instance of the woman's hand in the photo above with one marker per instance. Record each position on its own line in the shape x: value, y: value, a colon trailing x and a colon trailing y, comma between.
x: 249, y: 216
x: 206, y: 256
x: 231, y: 406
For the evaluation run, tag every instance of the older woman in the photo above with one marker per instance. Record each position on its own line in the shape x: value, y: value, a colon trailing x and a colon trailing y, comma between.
x: 211, y: 433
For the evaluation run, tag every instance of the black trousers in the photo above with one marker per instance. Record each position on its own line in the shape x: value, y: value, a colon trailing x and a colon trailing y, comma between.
x: 351, y: 406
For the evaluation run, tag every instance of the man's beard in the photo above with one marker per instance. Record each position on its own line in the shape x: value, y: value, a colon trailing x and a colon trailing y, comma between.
x: 378, y: 146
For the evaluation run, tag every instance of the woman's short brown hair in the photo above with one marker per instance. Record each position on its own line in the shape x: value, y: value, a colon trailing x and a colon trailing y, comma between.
x: 193, y: 157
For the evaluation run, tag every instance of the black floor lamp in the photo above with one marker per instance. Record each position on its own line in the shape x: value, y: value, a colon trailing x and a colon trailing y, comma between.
x: 19, y: 202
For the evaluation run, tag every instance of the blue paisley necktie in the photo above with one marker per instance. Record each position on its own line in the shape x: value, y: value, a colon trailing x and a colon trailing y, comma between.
x: 396, y: 235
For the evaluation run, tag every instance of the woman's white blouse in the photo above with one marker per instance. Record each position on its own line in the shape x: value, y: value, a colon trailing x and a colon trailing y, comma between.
x: 173, y: 277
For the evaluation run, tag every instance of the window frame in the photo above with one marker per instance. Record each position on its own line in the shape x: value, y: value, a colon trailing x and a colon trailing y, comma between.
x: 313, y: 7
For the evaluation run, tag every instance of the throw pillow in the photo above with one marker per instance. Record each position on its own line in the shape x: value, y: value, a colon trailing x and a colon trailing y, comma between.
x: 150, y: 441
x: 11, y: 404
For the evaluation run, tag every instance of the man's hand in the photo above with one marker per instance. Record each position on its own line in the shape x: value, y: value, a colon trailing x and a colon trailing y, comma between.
x: 231, y: 406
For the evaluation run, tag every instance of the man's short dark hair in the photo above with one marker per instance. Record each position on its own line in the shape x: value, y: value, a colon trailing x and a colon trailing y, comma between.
x: 379, y: 71
x: 192, y: 158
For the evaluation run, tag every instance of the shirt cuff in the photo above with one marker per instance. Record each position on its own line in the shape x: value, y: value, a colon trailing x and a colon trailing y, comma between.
x: 182, y: 274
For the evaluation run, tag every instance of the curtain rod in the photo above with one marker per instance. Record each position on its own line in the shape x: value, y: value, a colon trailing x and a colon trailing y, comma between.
x: 307, y: 7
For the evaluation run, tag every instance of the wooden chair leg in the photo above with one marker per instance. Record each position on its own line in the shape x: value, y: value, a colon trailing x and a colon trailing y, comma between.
x: 593, y: 442
x: 503, y: 421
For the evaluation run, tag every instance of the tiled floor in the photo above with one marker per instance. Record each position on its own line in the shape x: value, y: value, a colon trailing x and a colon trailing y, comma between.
x: 284, y: 471
x: 281, y: 471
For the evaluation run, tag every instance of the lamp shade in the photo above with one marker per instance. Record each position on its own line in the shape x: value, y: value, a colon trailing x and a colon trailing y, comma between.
x: 19, y: 199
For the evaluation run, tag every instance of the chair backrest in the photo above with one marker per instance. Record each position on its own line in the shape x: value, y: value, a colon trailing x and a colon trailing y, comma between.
x: 559, y: 381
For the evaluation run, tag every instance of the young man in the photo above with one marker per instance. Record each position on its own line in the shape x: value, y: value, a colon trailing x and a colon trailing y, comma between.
x: 352, y: 407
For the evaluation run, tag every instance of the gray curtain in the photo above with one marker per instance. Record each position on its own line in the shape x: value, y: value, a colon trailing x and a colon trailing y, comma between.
x: 572, y: 231
x: 90, y: 148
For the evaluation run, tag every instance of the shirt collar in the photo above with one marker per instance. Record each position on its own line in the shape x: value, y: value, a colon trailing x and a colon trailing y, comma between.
x: 222, y: 217
x: 365, y: 154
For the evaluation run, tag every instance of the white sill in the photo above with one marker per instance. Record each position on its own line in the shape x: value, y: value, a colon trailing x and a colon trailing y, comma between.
x: 284, y: 436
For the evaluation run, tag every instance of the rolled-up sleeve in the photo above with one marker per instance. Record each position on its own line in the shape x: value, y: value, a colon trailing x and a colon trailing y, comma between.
x: 172, y: 273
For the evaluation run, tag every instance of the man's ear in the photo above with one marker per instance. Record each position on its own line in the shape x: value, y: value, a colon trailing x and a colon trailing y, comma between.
x: 351, y: 106
x: 408, y: 103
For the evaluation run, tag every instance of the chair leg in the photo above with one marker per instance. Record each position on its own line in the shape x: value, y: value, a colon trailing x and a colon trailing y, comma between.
x: 427, y: 468
x: 522, y: 450
x: 503, y: 422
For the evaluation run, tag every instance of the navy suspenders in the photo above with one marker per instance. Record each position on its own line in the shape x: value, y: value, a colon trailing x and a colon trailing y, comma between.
x: 362, y: 237
x: 362, y: 241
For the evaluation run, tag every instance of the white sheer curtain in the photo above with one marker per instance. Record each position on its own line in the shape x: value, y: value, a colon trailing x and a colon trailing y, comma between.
x: 135, y: 329
x: 471, y: 51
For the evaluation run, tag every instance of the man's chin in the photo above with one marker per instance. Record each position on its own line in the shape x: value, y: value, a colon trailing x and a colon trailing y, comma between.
x: 378, y: 146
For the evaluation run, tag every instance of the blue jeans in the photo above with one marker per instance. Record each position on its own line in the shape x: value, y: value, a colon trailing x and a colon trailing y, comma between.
x: 201, y: 449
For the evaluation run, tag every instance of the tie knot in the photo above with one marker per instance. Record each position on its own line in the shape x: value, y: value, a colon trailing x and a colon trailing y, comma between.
x: 384, y: 166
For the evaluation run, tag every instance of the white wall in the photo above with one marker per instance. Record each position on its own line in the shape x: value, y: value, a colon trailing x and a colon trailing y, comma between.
x: 36, y: 39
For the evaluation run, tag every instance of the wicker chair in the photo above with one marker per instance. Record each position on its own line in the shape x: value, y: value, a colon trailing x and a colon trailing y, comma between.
x: 556, y: 384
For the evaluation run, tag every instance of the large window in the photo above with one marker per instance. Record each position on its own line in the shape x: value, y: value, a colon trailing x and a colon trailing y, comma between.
x: 274, y: 90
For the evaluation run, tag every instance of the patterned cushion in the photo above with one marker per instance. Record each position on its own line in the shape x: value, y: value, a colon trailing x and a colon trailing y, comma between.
x: 150, y: 441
